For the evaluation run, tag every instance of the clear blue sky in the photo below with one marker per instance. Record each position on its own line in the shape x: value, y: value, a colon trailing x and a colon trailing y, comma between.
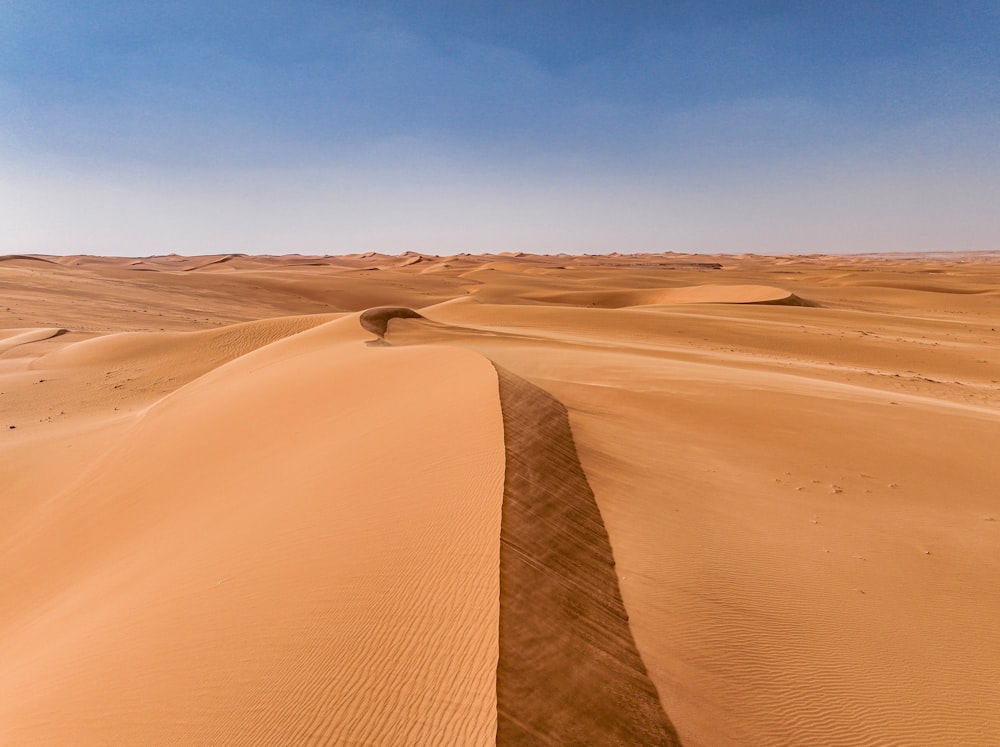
x: 148, y: 127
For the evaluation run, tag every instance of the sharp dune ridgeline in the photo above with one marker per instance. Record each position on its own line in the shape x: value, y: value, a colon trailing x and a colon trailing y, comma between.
x: 500, y: 499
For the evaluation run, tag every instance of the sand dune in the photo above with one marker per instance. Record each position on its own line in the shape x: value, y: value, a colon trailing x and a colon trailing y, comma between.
x: 667, y: 296
x: 357, y: 556
x: 12, y: 338
x: 377, y: 320
x: 633, y: 499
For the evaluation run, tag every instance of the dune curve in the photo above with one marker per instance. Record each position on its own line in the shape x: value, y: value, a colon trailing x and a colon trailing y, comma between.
x: 13, y: 338
x: 376, y: 320
x: 695, y: 294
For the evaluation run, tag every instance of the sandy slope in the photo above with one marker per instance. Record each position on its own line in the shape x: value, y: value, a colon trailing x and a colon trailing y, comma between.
x: 264, y: 556
x: 736, y: 500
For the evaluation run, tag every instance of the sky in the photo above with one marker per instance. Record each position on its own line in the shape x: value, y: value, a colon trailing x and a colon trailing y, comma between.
x: 143, y: 127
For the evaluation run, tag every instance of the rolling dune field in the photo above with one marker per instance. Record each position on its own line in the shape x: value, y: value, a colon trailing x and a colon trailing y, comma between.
x: 500, y: 499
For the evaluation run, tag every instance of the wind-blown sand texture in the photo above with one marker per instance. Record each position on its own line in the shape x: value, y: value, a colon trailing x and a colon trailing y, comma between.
x: 629, y: 499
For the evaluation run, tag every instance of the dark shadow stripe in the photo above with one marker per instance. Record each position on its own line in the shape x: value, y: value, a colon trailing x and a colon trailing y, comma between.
x: 569, y: 672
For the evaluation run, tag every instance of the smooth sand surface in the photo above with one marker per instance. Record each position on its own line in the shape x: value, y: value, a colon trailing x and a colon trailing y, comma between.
x: 630, y: 499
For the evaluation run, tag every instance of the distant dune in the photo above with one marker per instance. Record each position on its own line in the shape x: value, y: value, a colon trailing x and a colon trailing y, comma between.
x: 500, y: 499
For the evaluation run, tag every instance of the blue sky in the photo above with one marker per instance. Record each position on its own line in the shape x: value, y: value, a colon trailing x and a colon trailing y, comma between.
x: 146, y: 127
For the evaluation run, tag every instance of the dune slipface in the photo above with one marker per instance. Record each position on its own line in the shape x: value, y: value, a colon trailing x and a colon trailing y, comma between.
x: 569, y: 671
x: 377, y: 320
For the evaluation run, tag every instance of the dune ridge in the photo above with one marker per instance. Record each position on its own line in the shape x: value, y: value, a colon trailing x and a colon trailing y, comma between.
x: 696, y: 294
x: 11, y: 339
x: 568, y: 670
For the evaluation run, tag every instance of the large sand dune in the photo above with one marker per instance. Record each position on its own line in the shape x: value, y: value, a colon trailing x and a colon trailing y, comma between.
x: 633, y: 499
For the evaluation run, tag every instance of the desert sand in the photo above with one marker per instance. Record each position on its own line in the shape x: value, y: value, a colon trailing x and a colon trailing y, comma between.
x: 515, y: 499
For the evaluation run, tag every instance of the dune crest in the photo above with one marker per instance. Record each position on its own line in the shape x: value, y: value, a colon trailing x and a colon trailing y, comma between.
x: 12, y: 338
x: 696, y: 294
x: 377, y: 320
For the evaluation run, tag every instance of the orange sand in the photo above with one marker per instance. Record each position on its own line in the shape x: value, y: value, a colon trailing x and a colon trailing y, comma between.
x: 610, y: 500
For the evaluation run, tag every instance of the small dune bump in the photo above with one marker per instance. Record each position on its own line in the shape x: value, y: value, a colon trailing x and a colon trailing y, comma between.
x: 376, y: 320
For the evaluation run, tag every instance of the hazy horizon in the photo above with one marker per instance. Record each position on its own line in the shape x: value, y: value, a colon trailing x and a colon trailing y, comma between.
x: 156, y: 128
